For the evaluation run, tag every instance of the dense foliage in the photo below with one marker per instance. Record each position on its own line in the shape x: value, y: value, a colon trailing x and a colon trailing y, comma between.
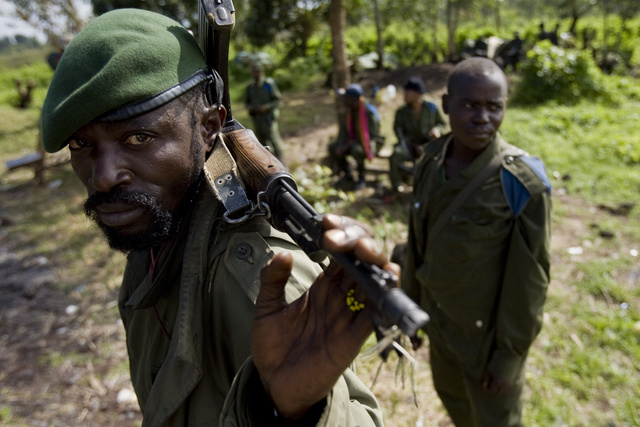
x: 551, y: 73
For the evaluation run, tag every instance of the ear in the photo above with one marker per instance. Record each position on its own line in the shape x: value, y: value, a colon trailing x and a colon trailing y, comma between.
x: 445, y: 103
x: 211, y: 124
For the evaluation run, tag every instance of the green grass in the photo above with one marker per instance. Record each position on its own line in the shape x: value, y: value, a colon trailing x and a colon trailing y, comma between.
x: 596, y: 147
x: 24, y: 57
x: 7, y: 418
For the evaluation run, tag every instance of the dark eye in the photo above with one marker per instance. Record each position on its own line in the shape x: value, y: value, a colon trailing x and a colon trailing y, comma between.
x: 77, y: 144
x: 138, y: 139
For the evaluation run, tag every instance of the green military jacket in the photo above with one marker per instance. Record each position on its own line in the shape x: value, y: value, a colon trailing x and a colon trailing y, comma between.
x: 416, y: 130
x: 188, y: 325
x: 265, y: 93
x: 484, y: 280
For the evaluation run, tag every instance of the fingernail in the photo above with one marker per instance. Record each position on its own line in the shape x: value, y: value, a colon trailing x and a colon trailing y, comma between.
x: 373, y: 245
x: 333, y: 218
x: 337, y: 235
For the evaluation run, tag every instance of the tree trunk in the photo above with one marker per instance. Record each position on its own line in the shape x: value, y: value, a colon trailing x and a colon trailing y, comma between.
x: 378, y: 19
x: 340, y: 76
x: 434, y: 34
x: 338, y: 22
x: 451, y: 29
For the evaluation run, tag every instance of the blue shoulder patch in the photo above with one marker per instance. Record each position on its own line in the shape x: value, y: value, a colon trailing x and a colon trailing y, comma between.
x: 373, y: 109
x: 537, y: 166
x: 515, y: 192
x: 432, y: 107
x: 267, y: 86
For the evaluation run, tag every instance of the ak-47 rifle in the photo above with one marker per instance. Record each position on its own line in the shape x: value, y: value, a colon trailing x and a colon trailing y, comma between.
x: 276, y: 194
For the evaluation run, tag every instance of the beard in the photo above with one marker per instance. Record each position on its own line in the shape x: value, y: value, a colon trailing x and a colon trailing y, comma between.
x: 164, y: 223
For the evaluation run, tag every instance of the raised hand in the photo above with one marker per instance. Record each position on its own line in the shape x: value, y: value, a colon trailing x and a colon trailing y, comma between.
x: 301, y: 349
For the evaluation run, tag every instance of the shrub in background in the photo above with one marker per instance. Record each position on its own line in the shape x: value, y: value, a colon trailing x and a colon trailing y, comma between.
x: 567, y: 77
x: 39, y: 72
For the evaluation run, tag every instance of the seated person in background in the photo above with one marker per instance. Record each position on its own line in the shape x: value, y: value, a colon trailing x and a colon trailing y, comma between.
x: 359, y: 135
x: 416, y: 123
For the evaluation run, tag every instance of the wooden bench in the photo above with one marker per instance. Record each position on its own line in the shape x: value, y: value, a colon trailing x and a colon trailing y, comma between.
x: 28, y: 160
x: 380, y: 164
x: 39, y: 161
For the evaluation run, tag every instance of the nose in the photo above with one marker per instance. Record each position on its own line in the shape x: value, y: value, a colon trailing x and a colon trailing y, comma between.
x: 108, y: 170
x: 481, y: 115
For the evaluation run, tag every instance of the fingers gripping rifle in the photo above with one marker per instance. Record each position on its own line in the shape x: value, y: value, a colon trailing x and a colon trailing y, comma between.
x: 276, y: 191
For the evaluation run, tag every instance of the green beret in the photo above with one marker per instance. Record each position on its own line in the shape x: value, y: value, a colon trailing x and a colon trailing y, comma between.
x: 122, y: 58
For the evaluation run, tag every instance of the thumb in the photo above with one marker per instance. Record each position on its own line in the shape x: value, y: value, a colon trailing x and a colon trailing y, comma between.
x: 273, y: 278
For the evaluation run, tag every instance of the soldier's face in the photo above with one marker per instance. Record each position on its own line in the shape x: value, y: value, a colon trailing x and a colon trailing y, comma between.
x: 352, y: 102
x: 138, y: 171
x: 411, y: 96
x: 476, y: 109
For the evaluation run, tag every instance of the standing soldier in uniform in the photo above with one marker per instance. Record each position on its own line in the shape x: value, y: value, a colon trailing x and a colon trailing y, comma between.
x: 263, y: 100
x: 478, y: 252
x: 416, y: 123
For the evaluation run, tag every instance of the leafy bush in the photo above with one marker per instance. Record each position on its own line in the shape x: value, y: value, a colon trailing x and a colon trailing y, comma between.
x: 40, y: 73
x: 621, y: 38
x: 410, y: 46
x: 551, y: 73
x: 298, y: 74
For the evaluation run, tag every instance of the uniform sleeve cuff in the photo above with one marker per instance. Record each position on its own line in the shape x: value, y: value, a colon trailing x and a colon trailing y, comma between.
x: 248, y: 404
x: 505, y: 365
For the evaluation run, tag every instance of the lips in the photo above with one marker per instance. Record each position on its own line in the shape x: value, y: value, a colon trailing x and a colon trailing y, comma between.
x: 119, y: 215
x: 480, y: 131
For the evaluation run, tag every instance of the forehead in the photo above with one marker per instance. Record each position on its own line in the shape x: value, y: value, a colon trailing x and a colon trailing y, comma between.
x: 163, y: 120
x: 485, y: 86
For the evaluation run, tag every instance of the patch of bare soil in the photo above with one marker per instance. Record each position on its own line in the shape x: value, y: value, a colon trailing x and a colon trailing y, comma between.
x: 57, y: 360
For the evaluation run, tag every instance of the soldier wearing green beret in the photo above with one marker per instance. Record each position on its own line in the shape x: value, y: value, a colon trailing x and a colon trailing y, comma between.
x: 478, y: 252
x: 263, y: 99
x: 225, y: 324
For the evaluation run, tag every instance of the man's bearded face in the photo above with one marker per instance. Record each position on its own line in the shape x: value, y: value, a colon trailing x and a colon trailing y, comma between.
x: 143, y: 174
x: 163, y: 223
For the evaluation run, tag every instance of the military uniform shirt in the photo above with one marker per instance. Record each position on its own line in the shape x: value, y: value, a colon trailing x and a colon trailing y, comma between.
x: 416, y: 129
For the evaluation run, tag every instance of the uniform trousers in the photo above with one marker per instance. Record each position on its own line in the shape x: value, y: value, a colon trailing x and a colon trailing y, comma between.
x: 466, y: 401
